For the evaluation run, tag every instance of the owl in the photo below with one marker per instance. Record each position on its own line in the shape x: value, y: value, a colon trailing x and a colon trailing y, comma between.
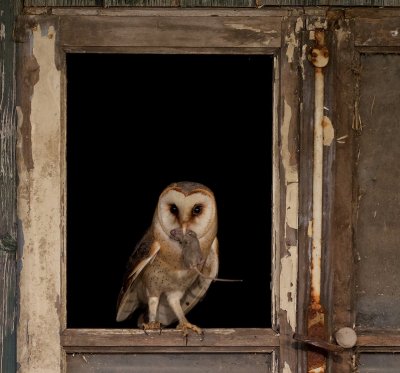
x: 173, y: 265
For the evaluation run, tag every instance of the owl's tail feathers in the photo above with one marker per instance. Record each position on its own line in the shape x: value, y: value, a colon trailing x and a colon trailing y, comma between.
x: 127, y: 303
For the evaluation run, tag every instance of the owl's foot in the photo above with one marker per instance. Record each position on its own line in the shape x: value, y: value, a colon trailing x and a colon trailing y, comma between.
x: 152, y: 325
x: 186, y: 326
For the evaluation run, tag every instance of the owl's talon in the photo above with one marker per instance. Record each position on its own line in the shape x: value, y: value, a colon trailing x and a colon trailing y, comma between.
x: 152, y: 325
x: 186, y: 326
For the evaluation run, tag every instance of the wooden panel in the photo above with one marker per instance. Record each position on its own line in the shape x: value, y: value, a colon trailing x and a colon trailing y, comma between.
x: 286, y: 189
x: 171, y: 363
x: 379, y: 363
x: 378, y: 226
x: 380, y: 340
x: 8, y: 179
x: 341, y: 85
x: 377, y: 33
x: 173, y: 32
x: 134, y: 340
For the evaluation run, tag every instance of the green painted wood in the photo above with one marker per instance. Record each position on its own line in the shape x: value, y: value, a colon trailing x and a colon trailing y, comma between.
x: 8, y: 232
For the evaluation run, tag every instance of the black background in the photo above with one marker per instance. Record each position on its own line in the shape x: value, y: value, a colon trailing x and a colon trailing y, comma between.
x: 136, y: 123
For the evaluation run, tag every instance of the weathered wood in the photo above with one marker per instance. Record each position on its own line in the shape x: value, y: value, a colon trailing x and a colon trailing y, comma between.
x: 378, y: 363
x: 305, y: 193
x: 378, y: 340
x: 159, y: 12
x: 8, y: 179
x: 169, y: 363
x: 173, y: 32
x: 140, y: 3
x: 40, y: 200
x: 287, y: 182
x: 378, y: 172
x: 343, y: 86
x: 64, y: 3
x: 376, y: 32
x: 216, y: 3
x: 170, y: 340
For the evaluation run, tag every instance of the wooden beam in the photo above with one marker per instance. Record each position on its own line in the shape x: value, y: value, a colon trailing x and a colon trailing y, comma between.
x: 8, y: 179
x: 169, y: 340
x: 378, y: 341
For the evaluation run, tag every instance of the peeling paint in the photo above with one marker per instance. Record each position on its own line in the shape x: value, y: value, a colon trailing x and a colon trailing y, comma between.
x: 39, y: 209
x: 240, y: 26
x: 303, y: 58
x: 291, y: 174
x: 286, y: 368
x: 310, y: 229
x: 299, y: 25
x: 319, y: 23
x: 292, y: 43
x: 328, y: 131
x: 394, y: 33
x: 2, y: 31
x: 292, y: 205
x: 288, y: 285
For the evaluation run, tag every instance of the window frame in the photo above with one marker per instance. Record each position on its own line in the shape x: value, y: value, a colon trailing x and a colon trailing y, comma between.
x: 45, y: 40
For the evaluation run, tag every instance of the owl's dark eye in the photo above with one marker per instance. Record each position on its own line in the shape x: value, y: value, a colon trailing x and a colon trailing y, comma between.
x: 197, y: 210
x: 173, y: 209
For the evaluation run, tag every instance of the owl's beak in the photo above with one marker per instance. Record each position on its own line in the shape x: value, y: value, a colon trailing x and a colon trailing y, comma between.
x: 184, y: 227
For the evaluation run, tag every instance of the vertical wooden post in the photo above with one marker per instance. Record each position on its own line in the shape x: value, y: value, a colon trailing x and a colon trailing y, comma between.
x: 8, y: 228
x: 316, y: 317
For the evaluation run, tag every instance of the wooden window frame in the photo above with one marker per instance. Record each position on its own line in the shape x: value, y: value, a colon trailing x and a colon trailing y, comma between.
x: 45, y: 36
x: 44, y: 41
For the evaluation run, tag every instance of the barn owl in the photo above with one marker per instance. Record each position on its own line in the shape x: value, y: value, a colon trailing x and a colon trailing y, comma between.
x: 174, y: 263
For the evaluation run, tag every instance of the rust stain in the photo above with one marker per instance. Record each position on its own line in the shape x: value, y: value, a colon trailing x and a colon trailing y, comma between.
x: 316, y: 329
x: 319, y: 57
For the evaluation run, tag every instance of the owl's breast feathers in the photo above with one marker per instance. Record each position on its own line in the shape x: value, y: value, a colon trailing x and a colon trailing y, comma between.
x: 156, y: 266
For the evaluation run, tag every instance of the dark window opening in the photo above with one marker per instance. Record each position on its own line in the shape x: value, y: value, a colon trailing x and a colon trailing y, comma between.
x: 136, y: 123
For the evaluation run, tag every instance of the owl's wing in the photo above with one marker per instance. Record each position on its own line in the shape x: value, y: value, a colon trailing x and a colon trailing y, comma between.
x: 196, y: 291
x: 144, y: 252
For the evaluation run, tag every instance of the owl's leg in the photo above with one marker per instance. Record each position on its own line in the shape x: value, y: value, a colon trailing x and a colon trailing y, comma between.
x: 153, y: 306
x: 174, y: 300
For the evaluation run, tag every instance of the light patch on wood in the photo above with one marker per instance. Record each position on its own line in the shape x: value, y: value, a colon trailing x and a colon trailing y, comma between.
x: 299, y: 25
x: 240, y: 26
x: 39, y: 211
x: 319, y: 23
x: 292, y: 205
x: 286, y: 368
x: 2, y: 31
x: 292, y: 41
x: 291, y: 44
x: 329, y: 132
x: 317, y: 370
x: 288, y: 285
x: 304, y: 51
x: 310, y: 229
x: 291, y: 175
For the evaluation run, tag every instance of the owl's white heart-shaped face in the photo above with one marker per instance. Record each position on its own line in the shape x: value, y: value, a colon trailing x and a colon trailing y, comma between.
x: 187, y: 206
